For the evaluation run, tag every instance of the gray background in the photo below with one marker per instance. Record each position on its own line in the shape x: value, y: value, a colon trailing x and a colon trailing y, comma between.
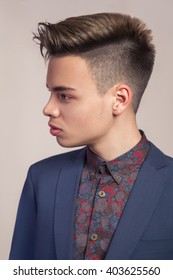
x: 24, y: 132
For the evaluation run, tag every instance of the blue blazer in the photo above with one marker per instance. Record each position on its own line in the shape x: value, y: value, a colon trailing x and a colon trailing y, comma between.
x: 45, y: 219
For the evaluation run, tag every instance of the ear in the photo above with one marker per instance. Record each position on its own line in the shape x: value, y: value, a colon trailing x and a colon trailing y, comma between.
x: 122, y: 98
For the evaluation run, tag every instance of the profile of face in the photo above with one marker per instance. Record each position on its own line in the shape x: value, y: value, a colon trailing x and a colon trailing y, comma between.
x: 78, y: 114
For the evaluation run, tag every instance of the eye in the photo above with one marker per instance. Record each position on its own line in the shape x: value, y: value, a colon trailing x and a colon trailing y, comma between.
x: 63, y: 96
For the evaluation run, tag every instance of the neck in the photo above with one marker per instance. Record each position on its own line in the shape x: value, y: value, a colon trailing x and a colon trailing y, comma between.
x: 120, y: 139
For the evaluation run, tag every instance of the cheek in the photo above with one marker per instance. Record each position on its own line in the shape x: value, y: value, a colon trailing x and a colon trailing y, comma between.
x: 103, y: 113
x: 74, y: 118
x: 91, y: 114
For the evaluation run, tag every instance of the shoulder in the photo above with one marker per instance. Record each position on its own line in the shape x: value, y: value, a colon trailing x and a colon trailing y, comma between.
x: 158, y: 159
x: 58, y: 161
x: 155, y: 150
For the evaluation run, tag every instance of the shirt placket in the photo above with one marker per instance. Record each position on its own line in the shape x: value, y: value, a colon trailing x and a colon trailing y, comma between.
x: 93, y: 248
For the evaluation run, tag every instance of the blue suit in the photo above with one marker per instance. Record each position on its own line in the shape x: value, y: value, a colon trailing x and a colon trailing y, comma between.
x: 45, y: 219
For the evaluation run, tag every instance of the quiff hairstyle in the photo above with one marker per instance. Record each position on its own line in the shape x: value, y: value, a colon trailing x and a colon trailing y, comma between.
x: 116, y: 47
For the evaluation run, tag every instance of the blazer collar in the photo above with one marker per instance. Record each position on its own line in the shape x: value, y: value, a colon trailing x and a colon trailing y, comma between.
x: 140, y: 206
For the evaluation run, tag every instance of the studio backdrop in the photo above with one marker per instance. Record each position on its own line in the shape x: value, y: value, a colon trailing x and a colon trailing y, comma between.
x: 24, y: 131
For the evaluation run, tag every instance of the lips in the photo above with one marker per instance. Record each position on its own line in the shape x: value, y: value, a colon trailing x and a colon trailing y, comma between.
x: 54, y: 130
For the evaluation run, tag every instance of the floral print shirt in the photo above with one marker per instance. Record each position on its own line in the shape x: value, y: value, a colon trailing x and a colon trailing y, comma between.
x: 103, y: 193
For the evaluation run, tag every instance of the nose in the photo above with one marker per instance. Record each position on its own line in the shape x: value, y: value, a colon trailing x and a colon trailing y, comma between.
x: 51, y: 109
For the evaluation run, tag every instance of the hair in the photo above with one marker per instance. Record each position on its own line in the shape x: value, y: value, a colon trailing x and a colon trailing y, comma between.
x: 116, y: 47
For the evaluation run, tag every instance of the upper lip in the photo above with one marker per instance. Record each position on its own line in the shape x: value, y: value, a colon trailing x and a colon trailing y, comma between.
x: 53, y: 126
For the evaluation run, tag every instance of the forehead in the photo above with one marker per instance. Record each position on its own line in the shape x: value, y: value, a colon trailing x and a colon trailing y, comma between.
x: 70, y: 71
x: 67, y: 65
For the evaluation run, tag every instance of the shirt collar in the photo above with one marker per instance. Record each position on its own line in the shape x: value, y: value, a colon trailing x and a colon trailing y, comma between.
x: 121, y: 166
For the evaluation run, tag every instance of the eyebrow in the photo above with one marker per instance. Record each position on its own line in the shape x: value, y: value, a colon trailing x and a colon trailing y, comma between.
x: 60, y: 88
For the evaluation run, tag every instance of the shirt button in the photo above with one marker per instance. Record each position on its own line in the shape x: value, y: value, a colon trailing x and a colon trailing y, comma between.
x: 102, y: 194
x: 92, y: 176
x: 94, y: 236
x: 118, y: 178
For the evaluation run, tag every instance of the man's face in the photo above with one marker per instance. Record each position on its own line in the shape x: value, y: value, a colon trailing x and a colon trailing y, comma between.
x: 78, y: 115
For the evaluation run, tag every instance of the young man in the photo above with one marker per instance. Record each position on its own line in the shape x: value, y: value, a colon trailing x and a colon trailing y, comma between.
x: 112, y: 199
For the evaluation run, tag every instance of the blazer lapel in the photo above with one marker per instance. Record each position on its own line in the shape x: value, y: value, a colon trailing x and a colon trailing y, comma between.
x: 67, y: 188
x: 140, y: 206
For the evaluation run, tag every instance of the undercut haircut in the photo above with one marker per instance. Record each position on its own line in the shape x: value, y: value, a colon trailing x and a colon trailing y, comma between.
x: 117, y: 48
